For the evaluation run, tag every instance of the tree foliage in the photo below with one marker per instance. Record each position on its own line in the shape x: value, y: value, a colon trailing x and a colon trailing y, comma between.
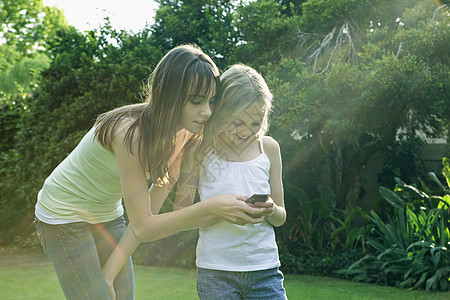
x: 336, y: 119
x: 25, y: 29
x: 267, y: 31
x: 207, y: 23
x: 346, y: 75
x: 90, y: 74
x: 320, y: 16
x: 29, y: 24
x: 22, y: 74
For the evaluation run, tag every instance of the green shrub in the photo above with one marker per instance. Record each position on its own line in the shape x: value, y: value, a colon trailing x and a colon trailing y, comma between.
x: 90, y: 73
x: 411, y: 248
x: 403, y: 159
x: 318, y: 238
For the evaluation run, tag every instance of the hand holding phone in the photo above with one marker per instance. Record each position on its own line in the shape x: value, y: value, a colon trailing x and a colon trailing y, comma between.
x: 257, y: 198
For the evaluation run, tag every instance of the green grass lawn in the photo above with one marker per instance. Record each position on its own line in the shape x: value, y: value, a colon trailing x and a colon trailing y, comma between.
x: 39, y: 282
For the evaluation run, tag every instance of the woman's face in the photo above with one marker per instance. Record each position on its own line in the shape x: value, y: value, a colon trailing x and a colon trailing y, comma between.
x: 242, y: 129
x: 197, y: 111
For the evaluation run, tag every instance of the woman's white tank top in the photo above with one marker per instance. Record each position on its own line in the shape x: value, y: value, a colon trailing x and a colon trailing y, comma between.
x: 229, y: 247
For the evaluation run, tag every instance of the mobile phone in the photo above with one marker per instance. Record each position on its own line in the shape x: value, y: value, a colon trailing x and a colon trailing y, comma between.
x: 257, y: 198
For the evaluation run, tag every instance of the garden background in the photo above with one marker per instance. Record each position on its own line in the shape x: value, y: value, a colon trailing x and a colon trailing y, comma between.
x: 352, y: 80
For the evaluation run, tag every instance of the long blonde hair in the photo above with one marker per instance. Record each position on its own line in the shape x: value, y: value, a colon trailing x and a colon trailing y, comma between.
x: 185, y: 70
x: 240, y: 87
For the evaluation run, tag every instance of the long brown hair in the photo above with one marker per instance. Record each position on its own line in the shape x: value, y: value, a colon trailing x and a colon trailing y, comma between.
x: 185, y: 70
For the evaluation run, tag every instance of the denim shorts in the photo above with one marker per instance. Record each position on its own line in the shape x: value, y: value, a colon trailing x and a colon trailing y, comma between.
x: 78, y: 251
x: 265, y: 284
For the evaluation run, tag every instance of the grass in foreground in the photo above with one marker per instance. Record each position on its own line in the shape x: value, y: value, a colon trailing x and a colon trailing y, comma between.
x: 166, y: 283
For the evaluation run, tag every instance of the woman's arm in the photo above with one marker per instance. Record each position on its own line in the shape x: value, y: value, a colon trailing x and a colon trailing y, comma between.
x: 118, y: 258
x: 188, y: 184
x: 142, y: 207
x: 149, y: 227
x: 188, y: 181
x: 128, y: 243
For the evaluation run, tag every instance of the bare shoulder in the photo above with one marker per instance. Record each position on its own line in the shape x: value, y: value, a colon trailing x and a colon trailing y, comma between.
x: 271, y: 146
x: 120, y: 133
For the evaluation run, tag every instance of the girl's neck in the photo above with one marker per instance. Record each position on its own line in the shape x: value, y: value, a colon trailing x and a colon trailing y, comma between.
x: 236, y: 153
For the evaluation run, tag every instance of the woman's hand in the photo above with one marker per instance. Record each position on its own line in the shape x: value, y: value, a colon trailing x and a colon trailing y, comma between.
x: 233, y: 209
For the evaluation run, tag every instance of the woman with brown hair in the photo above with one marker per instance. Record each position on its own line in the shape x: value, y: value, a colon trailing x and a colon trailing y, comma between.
x: 79, y: 212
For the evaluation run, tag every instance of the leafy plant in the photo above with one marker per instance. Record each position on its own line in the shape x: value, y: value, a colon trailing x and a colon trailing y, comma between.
x: 350, y: 235
x: 411, y: 248
x: 310, y: 217
x: 317, y: 237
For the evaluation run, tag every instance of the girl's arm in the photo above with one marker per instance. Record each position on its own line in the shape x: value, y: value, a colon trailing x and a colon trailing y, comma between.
x: 272, y: 149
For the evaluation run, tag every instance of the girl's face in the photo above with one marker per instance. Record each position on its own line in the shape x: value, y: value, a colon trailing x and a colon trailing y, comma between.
x: 241, y: 130
x: 197, y: 111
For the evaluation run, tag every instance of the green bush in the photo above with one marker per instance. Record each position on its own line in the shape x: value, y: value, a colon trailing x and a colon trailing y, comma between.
x: 403, y: 159
x: 90, y: 73
x: 411, y: 248
x: 318, y: 238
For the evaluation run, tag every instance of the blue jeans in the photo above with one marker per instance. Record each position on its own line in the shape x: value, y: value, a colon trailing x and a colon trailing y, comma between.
x: 78, y: 251
x: 265, y: 284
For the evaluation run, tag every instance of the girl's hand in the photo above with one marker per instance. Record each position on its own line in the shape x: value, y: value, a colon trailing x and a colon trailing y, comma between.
x: 269, y: 207
x: 233, y: 209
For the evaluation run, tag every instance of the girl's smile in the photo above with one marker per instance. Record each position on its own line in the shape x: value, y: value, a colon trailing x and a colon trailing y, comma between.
x: 243, y: 139
x: 243, y: 128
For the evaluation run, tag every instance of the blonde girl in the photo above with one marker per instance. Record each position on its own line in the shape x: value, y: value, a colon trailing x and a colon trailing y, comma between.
x: 79, y: 212
x: 238, y: 262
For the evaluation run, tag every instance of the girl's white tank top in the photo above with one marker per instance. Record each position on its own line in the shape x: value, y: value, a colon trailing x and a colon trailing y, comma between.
x: 229, y: 247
